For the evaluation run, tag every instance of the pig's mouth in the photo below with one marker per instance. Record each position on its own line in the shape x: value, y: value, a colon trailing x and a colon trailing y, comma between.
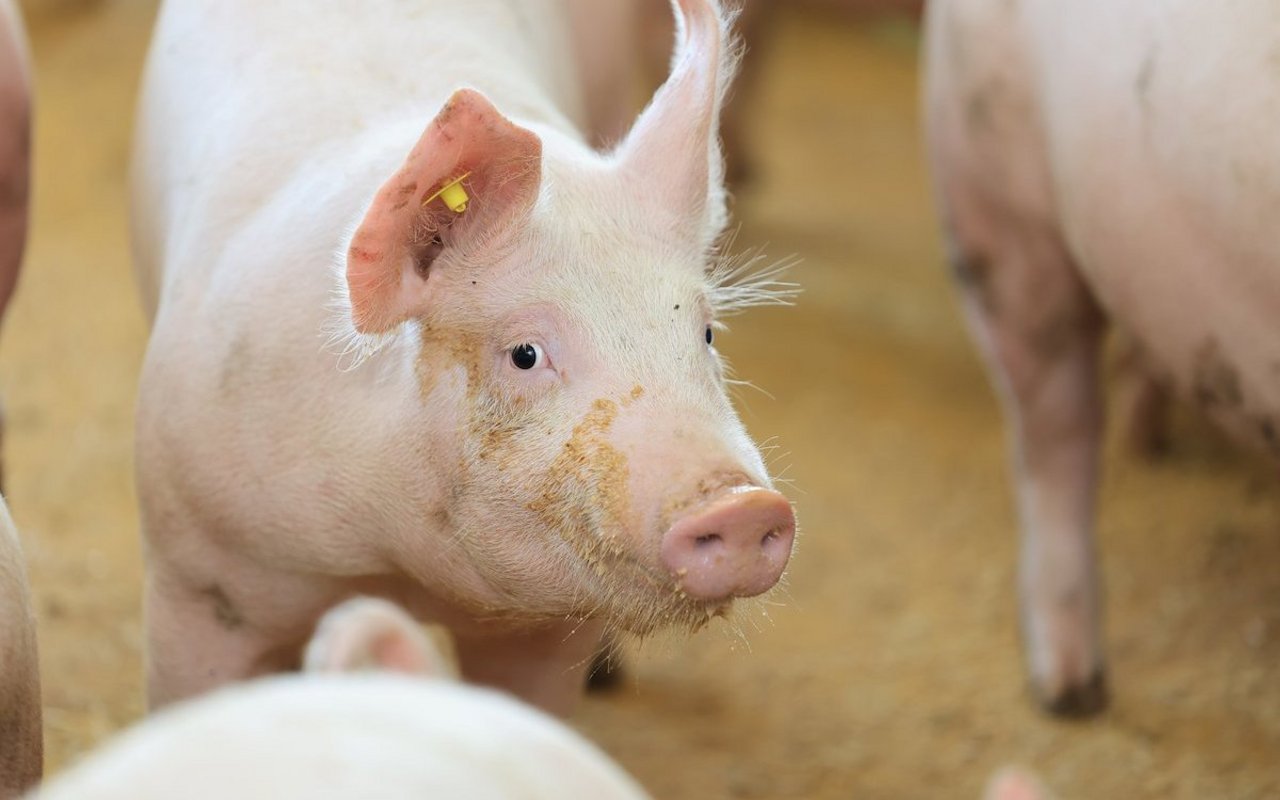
x: 631, y: 592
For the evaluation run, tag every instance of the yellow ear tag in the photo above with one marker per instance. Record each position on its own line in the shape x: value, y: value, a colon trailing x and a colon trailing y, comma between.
x: 452, y: 195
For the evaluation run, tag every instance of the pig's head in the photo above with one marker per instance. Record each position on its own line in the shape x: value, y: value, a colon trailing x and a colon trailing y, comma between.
x: 561, y: 330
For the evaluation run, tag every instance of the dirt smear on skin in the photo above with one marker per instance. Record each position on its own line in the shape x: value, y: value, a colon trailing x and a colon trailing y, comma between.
x: 584, y: 494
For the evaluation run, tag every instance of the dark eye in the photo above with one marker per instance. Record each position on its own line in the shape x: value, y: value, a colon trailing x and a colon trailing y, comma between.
x: 526, y: 356
x: 709, y: 336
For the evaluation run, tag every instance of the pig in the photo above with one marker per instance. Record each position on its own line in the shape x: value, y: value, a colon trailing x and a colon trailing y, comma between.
x: 15, y: 156
x: 21, y: 754
x: 506, y: 413
x: 375, y: 716
x: 1088, y: 168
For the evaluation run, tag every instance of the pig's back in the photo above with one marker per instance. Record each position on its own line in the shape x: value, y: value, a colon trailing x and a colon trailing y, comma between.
x: 326, y: 737
x: 240, y: 94
x: 1159, y: 120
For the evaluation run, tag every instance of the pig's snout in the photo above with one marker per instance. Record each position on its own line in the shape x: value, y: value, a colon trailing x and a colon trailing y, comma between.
x: 734, y: 546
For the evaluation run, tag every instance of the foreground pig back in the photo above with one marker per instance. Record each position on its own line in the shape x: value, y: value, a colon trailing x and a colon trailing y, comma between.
x: 1100, y: 161
x: 346, y: 736
x: 20, y: 730
x: 399, y: 729
x: 505, y: 410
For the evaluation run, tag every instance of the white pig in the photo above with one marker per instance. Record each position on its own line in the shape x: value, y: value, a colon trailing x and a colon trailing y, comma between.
x: 527, y: 437
x: 339, y: 735
x: 1100, y: 160
x: 20, y: 726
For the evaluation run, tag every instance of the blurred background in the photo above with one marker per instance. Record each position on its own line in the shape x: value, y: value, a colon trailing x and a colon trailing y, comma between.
x: 889, y: 665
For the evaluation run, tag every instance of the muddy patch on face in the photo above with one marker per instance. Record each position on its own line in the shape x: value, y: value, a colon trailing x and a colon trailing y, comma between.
x: 443, y: 350
x: 708, y: 486
x: 1215, y: 381
x: 497, y: 425
x: 585, y: 496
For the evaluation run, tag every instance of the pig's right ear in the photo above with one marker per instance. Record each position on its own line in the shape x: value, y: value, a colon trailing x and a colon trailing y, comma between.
x: 405, y: 232
x: 369, y: 634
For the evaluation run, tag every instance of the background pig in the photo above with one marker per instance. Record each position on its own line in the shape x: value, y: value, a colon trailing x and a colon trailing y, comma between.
x: 20, y: 730
x: 15, y: 155
x: 519, y: 427
x: 339, y: 735
x: 1089, y: 167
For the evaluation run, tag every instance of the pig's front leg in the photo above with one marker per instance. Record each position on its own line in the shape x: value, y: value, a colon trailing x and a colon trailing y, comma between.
x: 1041, y: 331
x: 544, y: 666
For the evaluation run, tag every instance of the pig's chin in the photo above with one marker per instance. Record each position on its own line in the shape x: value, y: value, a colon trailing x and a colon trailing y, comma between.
x: 684, y: 615
x: 634, y: 599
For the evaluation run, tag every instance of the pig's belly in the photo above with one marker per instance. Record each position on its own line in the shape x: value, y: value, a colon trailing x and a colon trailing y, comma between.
x: 1172, y: 212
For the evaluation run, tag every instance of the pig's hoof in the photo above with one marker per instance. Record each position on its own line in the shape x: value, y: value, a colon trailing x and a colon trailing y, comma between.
x: 1079, y: 701
x: 606, y: 672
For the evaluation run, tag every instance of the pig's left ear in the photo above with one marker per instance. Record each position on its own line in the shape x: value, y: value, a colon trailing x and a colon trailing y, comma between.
x: 674, y: 148
x: 405, y: 232
x: 365, y: 633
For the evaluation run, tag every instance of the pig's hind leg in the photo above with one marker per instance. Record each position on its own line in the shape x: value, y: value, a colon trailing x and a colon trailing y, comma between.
x: 1035, y: 321
x: 1040, y: 332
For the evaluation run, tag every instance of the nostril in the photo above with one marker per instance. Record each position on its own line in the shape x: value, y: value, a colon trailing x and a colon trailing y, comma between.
x: 733, y: 545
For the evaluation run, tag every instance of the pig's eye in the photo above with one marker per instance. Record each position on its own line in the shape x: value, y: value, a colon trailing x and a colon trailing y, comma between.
x: 710, y: 337
x: 526, y: 356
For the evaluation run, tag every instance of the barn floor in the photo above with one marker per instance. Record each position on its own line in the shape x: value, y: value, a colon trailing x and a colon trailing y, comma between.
x: 889, y: 667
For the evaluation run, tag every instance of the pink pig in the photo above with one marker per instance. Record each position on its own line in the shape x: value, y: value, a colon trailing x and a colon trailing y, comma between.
x: 519, y: 425
x: 1098, y: 160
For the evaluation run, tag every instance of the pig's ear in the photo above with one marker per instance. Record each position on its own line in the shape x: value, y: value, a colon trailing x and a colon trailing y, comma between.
x: 674, y: 148
x: 391, y: 253
x: 369, y: 634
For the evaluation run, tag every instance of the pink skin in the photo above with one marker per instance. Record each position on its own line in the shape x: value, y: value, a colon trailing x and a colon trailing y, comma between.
x: 15, y: 154
x: 1076, y: 190
x: 521, y: 502
x: 20, y: 725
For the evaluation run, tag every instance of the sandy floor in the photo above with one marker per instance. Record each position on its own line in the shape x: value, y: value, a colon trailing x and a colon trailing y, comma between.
x: 889, y: 667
